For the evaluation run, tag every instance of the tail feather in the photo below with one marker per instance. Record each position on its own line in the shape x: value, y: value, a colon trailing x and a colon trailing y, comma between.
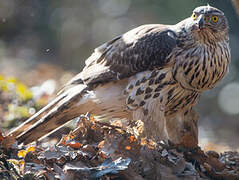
x: 53, y: 116
x: 34, y: 118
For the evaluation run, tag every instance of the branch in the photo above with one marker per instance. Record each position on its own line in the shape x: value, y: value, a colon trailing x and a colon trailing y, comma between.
x: 236, y: 6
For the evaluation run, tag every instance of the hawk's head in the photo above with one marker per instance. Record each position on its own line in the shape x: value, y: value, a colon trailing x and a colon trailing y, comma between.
x: 207, y: 23
x: 209, y: 18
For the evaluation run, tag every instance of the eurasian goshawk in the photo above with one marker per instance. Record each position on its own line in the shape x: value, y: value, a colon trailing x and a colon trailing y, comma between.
x: 154, y: 73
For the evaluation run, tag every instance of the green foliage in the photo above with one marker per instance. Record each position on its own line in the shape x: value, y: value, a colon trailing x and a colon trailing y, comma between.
x: 14, y: 86
x: 17, y: 101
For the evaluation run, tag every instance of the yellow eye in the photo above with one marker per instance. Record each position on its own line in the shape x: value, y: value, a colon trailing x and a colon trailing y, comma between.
x: 214, y: 19
x: 194, y: 16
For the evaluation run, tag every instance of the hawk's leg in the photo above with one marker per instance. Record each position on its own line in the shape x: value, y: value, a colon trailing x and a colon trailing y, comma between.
x: 182, y: 128
x: 153, y: 118
x: 162, y: 119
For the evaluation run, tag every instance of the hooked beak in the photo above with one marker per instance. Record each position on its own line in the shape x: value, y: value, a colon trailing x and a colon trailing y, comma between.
x: 200, y: 22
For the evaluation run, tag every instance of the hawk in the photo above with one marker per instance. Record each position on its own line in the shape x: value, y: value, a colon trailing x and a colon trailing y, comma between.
x: 154, y: 73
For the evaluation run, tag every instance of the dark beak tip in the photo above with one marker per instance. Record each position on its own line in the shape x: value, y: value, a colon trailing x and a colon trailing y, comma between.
x: 201, y: 23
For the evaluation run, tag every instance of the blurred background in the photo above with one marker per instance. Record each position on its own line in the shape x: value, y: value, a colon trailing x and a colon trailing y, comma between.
x: 44, y: 43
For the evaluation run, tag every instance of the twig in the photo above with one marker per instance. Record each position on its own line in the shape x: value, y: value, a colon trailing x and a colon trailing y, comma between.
x: 236, y: 6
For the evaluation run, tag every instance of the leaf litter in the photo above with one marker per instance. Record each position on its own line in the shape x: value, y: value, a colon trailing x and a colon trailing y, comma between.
x: 106, y: 157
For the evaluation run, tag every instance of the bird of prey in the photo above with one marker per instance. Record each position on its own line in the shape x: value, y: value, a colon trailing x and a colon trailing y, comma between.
x: 154, y: 73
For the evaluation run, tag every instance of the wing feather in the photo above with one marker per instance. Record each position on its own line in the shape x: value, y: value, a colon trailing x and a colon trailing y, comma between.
x: 143, y: 48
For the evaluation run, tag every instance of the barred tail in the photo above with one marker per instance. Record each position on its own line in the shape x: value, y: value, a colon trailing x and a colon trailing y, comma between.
x: 52, y: 117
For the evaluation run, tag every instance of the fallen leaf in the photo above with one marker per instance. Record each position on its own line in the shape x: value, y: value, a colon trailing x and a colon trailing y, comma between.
x: 107, y: 167
x: 7, y: 141
x: 22, y: 153
x: 128, y: 147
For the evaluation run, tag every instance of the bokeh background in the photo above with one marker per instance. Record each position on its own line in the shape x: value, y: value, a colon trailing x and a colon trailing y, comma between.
x: 50, y: 39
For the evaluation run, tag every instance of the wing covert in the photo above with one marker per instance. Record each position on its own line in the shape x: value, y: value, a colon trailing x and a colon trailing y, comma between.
x: 143, y: 48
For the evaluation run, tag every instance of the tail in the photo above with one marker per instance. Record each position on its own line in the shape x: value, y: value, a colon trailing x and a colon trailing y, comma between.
x: 52, y: 117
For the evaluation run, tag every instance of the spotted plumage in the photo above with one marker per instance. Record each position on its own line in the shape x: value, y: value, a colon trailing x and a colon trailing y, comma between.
x: 153, y: 73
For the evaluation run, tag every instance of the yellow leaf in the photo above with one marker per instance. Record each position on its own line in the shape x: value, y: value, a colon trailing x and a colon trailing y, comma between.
x: 21, y: 162
x: 31, y: 149
x: 3, y: 86
x: 12, y: 80
x: 22, y: 111
x: 21, y: 88
x: 21, y: 153
x: 23, y: 91
x: 1, y: 77
x: 13, y: 161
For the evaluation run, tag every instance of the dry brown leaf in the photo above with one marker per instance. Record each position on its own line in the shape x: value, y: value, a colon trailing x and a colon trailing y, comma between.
x: 7, y: 142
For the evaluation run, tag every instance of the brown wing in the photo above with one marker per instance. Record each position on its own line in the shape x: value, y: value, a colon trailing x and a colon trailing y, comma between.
x: 143, y: 48
x: 140, y: 49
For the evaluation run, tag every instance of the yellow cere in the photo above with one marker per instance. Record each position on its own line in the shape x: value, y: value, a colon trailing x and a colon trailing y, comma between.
x: 214, y: 18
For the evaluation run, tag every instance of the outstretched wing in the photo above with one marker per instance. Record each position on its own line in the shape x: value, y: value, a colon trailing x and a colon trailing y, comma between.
x: 143, y: 48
